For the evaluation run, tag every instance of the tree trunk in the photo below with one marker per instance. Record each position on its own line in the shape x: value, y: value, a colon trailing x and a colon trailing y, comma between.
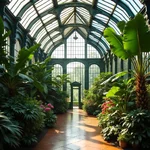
x: 141, y: 93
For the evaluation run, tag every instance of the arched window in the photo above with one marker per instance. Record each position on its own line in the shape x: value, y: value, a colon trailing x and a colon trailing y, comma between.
x: 58, y: 70
x: 7, y: 47
x: 92, y: 52
x: 75, y: 46
x: 94, y: 71
x: 58, y: 52
x: 17, y: 49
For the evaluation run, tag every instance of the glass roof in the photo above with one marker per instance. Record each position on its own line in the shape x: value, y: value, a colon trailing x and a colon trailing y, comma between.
x: 50, y: 22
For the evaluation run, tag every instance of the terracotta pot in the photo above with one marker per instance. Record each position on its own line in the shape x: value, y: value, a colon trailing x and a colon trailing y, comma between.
x: 122, y: 144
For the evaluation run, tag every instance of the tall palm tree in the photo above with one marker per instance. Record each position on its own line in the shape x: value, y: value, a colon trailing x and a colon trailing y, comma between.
x: 133, y: 43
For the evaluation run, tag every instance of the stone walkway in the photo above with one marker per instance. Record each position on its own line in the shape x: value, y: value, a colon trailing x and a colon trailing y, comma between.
x: 74, y: 131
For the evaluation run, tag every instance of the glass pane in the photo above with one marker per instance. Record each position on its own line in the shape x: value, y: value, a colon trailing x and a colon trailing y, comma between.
x: 92, y: 52
x: 58, y: 52
x: 84, y: 31
x: 28, y: 16
x: 44, y: 42
x: 64, y: 1
x: 67, y: 30
x: 54, y: 33
x: 75, y: 46
x: 121, y: 14
x: 48, y: 45
x: 86, y: 1
x: 94, y: 72
x: 41, y: 34
x: 48, y: 17
x: 52, y: 25
x: 106, y: 5
x: 84, y: 12
x: 35, y: 27
x: 43, y: 5
x: 134, y: 5
x: 114, y: 26
x: 98, y: 26
x: 57, y: 39
x: 58, y: 70
x: 65, y: 13
x: 102, y: 17
x: 93, y: 38
x: 15, y: 6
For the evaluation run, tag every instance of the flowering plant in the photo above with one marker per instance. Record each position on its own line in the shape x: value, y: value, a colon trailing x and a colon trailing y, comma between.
x: 106, y: 106
x: 50, y: 117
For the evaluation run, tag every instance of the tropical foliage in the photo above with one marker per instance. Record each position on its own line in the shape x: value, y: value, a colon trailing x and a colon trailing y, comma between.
x: 28, y: 114
x: 24, y: 87
x: 93, y: 96
x: 133, y: 43
x: 126, y: 105
x: 9, y: 132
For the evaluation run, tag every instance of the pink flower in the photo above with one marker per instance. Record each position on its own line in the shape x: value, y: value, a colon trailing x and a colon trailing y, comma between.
x: 47, y: 109
x: 50, y: 105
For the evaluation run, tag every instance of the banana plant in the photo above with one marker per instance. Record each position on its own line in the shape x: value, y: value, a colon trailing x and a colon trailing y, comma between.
x: 133, y: 43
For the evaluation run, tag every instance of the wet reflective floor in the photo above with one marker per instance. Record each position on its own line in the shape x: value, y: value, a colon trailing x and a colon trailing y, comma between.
x: 74, y: 131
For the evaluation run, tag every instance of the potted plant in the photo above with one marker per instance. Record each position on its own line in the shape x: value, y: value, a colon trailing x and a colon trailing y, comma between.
x: 123, y: 140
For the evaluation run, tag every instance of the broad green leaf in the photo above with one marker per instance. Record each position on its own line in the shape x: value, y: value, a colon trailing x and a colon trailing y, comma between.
x: 38, y: 85
x: 136, y: 36
x: 114, y: 77
x: 25, y: 77
x: 121, y: 25
x: 112, y: 91
x: 24, y: 56
x: 116, y: 43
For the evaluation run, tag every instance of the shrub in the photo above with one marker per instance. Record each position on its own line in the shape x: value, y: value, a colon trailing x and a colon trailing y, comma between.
x: 29, y: 115
x: 137, y: 125
x: 58, y: 99
x: 94, y: 96
x: 9, y: 132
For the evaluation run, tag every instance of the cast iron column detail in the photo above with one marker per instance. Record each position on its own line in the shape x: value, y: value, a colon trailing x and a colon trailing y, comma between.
x: 86, y: 76
x: 3, y: 4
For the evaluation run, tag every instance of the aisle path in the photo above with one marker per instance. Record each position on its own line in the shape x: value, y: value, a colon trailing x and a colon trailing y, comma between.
x: 74, y: 131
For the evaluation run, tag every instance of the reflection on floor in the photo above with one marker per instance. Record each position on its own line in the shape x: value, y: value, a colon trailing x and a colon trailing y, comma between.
x: 74, y: 131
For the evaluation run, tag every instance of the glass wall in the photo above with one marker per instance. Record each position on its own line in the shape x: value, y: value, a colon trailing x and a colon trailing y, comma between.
x: 94, y: 71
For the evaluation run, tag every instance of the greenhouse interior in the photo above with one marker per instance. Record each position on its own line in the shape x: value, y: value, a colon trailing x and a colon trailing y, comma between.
x: 75, y: 74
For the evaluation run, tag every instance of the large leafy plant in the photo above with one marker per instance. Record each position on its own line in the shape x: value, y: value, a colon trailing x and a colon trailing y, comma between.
x: 9, y: 132
x: 29, y: 115
x: 93, y: 96
x: 12, y: 73
x: 14, y: 76
x: 40, y: 73
x: 133, y: 43
x: 136, y: 125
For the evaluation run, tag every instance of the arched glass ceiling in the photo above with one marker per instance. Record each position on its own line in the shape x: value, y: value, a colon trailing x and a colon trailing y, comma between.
x: 52, y: 21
